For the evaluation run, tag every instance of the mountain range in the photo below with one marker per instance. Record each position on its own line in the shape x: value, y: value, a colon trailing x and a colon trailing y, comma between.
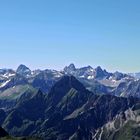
x: 74, y: 103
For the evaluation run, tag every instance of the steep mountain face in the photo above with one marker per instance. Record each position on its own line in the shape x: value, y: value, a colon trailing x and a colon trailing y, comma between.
x: 5, y: 76
x: 76, y: 103
x: 63, y: 86
x: 41, y: 107
x: 3, y: 133
x: 127, y: 89
x: 91, y: 73
x: 68, y: 111
x: 133, y: 89
x: 70, y: 69
x: 101, y: 73
x: 67, y: 95
x: 25, y: 116
x: 84, y: 72
x: 11, y: 96
x: 106, y: 83
x: 119, y: 76
x: 14, y: 81
x: 5, y: 136
x: 23, y: 70
x: 44, y: 80
x: 86, y: 119
x: 124, y: 126
x: 136, y: 75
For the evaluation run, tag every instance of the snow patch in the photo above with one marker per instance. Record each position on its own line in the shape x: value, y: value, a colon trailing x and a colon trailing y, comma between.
x: 90, y: 77
x: 4, y: 84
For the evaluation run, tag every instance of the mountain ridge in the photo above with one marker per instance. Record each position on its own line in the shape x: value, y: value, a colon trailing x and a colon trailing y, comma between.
x: 68, y: 111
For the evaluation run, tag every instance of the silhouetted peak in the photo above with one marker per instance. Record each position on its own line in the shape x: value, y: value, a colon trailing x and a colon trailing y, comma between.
x: 22, y: 69
x: 70, y: 68
x: 99, y: 69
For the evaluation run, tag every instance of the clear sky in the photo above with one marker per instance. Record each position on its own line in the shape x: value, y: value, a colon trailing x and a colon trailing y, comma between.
x: 53, y: 33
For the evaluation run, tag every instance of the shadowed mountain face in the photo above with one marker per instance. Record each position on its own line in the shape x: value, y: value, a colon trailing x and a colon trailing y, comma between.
x: 68, y: 111
x: 3, y: 133
x: 23, y: 70
x: 62, y: 98
x: 125, y: 125
x: 76, y: 103
x: 86, y: 119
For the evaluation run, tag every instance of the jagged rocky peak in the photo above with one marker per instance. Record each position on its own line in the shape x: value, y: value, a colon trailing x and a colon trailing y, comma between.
x: 87, y: 68
x: 99, y: 69
x: 62, y: 87
x: 23, y: 70
x: 119, y: 75
x: 70, y: 68
x: 100, y: 73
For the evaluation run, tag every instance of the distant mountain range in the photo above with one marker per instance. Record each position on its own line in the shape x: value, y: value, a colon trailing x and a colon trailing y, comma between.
x: 117, y: 83
x: 75, y: 103
x: 136, y: 75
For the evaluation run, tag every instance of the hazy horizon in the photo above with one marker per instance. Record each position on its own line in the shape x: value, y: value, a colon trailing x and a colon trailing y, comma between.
x: 62, y: 68
x: 53, y: 34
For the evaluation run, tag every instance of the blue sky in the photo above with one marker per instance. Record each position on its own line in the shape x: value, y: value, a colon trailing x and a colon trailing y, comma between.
x: 53, y: 33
